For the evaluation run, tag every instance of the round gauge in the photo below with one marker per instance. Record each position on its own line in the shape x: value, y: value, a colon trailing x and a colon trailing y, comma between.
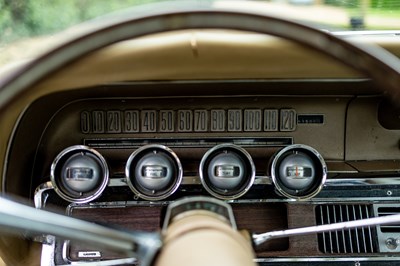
x: 153, y: 172
x: 298, y: 172
x: 79, y: 174
x: 227, y: 171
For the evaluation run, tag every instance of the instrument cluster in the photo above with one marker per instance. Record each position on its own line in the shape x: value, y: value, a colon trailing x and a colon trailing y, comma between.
x: 154, y: 172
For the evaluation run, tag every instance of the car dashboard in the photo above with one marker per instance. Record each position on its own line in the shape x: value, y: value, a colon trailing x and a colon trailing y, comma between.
x: 286, y: 137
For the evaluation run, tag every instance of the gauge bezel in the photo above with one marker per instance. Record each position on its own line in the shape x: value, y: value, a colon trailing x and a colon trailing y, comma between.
x: 239, y: 151
x: 143, y: 151
x: 309, y: 192
x: 88, y: 196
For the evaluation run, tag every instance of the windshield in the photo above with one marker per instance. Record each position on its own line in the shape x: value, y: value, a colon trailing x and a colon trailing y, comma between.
x: 24, y: 23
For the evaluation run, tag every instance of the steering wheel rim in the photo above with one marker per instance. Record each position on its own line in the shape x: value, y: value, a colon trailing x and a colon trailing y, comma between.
x: 377, y: 64
x: 374, y: 62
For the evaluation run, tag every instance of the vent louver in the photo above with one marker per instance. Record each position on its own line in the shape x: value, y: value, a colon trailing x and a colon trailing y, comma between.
x: 385, y: 211
x: 347, y: 241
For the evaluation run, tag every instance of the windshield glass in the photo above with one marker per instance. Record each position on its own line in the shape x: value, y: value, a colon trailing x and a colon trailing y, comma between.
x: 24, y: 23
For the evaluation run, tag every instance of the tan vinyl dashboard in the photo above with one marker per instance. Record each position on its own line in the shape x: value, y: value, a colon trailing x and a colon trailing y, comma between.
x: 189, y: 55
x: 337, y: 112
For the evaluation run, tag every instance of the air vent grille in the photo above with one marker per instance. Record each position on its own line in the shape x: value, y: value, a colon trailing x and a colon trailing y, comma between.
x: 346, y: 241
x: 385, y: 211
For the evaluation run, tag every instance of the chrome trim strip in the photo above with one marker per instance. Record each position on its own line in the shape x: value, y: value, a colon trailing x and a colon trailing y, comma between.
x: 118, y: 182
x: 238, y: 201
x: 263, y: 180
x: 125, y: 261
x: 48, y: 251
x: 40, y: 197
x: 266, y: 180
x: 326, y: 259
x: 366, y: 33
x: 362, y: 181
x: 65, y: 251
x: 187, y: 142
x: 123, y: 204
x: 191, y: 180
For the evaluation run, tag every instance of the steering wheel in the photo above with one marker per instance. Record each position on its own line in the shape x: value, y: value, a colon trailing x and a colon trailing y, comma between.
x: 382, y: 67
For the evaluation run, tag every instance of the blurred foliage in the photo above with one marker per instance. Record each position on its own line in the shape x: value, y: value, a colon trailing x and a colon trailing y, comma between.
x: 341, y: 3
x: 28, y: 18
x: 385, y: 4
x: 375, y: 4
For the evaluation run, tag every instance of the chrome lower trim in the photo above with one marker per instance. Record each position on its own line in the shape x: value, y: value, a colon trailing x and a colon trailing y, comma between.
x: 65, y: 251
x: 266, y: 180
x: 345, y: 34
x: 48, y: 252
x: 124, y: 204
x: 370, y: 181
x: 188, y: 142
x: 130, y: 261
x: 190, y: 180
x: 327, y: 259
x: 40, y: 196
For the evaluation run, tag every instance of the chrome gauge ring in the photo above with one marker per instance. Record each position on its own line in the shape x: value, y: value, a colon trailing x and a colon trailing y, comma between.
x: 227, y: 171
x: 298, y: 172
x: 79, y: 174
x: 153, y: 172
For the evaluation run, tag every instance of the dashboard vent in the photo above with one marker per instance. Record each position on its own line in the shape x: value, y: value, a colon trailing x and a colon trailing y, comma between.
x: 385, y: 211
x: 346, y: 241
